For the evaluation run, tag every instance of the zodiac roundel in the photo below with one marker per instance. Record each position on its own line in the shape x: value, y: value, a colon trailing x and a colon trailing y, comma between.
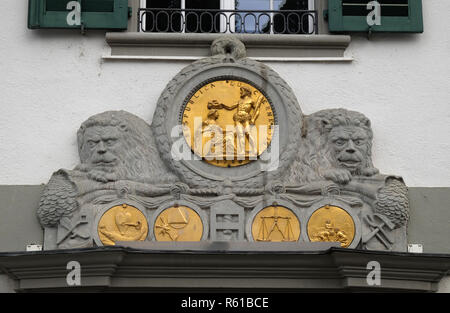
x: 331, y: 223
x: 178, y: 223
x: 122, y: 223
x: 275, y: 224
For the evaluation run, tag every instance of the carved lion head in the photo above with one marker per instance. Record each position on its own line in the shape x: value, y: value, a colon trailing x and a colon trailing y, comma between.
x: 344, y: 137
x: 333, y: 139
x: 121, y: 143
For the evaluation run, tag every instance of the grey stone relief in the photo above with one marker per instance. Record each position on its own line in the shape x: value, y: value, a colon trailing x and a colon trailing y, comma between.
x: 324, y: 159
x: 227, y: 221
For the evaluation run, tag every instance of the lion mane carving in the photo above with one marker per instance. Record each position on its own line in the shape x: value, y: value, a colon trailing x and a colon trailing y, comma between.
x: 117, y: 145
x: 337, y: 147
x: 113, y: 146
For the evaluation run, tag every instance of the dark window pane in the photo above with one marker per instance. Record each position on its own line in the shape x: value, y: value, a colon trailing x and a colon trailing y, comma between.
x: 388, y: 7
x: 202, y: 21
x: 290, y: 4
x: 163, y: 20
x: 291, y: 22
x: 86, y: 5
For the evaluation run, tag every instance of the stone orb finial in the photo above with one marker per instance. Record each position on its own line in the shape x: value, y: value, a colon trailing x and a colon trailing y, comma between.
x: 228, y: 45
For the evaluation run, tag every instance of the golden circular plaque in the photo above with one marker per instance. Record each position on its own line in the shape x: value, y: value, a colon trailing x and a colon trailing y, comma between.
x: 228, y: 123
x: 274, y: 224
x: 332, y: 224
x: 122, y: 223
x: 178, y: 223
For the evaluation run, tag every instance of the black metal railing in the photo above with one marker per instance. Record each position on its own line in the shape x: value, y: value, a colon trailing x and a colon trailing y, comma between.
x: 228, y: 21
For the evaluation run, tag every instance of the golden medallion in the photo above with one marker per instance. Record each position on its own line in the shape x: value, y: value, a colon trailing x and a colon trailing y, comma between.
x: 274, y: 224
x: 332, y: 224
x: 228, y: 123
x: 178, y: 223
x: 122, y: 223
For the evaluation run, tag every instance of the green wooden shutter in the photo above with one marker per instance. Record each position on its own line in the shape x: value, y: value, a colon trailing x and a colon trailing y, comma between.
x: 396, y: 16
x: 95, y: 14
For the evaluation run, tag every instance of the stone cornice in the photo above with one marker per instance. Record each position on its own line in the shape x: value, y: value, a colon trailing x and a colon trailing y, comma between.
x: 121, y: 268
x: 174, y: 46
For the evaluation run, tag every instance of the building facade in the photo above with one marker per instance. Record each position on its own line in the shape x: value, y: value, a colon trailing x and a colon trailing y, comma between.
x: 54, y: 80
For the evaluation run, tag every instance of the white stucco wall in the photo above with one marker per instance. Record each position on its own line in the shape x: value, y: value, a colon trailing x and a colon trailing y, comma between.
x: 444, y: 285
x: 52, y: 80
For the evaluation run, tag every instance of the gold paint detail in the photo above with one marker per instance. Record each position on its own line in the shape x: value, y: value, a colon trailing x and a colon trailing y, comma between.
x: 275, y: 224
x: 331, y: 224
x: 122, y: 223
x: 178, y: 223
x: 228, y: 123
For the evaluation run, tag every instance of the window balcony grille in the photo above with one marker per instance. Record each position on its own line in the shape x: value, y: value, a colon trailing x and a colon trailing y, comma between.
x: 293, y: 22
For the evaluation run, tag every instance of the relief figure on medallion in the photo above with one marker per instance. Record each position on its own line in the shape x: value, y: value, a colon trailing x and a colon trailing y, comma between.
x: 247, y: 111
x: 212, y: 132
x: 230, y: 120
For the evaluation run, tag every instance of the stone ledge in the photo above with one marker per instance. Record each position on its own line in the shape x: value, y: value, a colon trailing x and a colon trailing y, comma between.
x: 174, y: 46
x: 230, y: 246
x: 119, y: 268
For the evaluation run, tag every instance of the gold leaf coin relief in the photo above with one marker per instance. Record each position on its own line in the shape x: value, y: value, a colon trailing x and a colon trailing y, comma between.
x: 122, y: 223
x: 331, y: 224
x: 178, y: 224
x: 228, y: 123
x: 275, y: 224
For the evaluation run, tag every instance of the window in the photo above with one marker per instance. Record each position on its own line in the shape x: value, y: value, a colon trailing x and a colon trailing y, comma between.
x: 275, y: 20
x: 228, y: 16
x: 189, y: 16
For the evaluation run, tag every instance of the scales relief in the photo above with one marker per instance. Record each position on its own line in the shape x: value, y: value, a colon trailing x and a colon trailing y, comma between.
x: 228, y: 156
x: 275, y: 224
